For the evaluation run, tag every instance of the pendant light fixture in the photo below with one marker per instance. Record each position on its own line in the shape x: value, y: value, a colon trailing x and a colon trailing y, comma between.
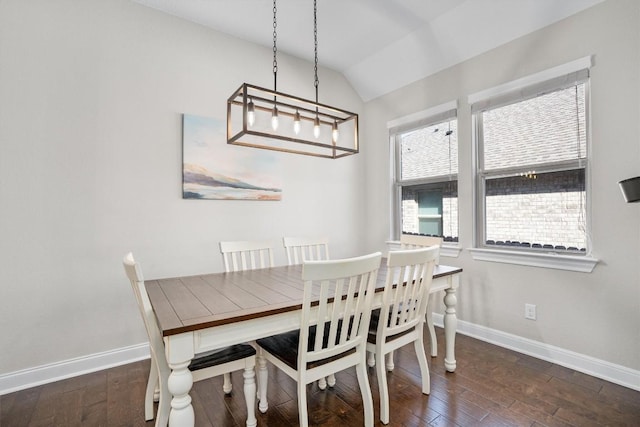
x: 272, y: 120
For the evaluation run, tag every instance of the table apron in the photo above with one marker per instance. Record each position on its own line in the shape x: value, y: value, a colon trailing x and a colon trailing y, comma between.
x: 247, y: 330
x: 261, y: 327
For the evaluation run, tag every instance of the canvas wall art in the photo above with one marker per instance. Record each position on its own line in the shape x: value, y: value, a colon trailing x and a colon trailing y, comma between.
x: 214, y: 170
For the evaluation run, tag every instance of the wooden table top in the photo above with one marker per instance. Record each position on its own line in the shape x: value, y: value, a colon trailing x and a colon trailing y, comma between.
x: 190, y: 303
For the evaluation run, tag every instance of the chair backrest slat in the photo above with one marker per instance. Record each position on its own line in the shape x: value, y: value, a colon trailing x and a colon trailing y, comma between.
x: 343, y: 300
x: 301, y: 249
x: 408, y: 281
x: 246, y: 255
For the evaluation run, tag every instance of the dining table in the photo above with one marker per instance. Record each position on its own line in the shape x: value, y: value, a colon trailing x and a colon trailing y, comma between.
x: 206, y: 312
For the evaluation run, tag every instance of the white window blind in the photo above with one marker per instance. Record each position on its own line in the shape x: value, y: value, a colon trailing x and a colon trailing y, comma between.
x: 531, y: 162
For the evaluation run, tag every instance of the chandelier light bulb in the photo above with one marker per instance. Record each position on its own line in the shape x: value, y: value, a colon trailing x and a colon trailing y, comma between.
x: 296, y: 122
x: 274, y: 119
x: 334, y: 132
x: 251, y: 113
x: 316, y: 127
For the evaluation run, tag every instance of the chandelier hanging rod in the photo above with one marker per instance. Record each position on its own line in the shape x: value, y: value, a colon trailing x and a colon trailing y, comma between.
x: 339, y: 115
x: 292, y: 115
x: 332, y: 119
x: 300, y: 109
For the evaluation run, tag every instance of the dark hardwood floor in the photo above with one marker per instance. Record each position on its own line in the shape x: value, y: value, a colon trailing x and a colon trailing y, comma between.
x: 492, y: 386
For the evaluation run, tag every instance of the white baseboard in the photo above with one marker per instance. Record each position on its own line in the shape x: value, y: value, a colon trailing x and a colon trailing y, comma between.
x: 617, y: 374
x: 586, y: 364
x: 32, y: 377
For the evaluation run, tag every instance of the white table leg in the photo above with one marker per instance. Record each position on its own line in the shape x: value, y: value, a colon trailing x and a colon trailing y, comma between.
x: 263, y: 379
x: 249, y: 376
x: 179, y: 350
x: 180, y: 382
x: 450, y: 324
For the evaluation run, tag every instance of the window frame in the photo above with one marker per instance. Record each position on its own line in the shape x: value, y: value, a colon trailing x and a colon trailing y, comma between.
x: 510, y: 93
x: 437, y: 114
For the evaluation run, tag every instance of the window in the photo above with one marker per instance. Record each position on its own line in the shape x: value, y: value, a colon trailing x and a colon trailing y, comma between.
x: 426, y: 174
x: 531, y: 156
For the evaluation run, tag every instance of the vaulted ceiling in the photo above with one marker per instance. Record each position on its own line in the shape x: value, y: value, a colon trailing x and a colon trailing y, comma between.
x: 378, y: 45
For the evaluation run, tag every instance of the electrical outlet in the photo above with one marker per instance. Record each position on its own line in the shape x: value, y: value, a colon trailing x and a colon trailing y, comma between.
x: 530, y: 311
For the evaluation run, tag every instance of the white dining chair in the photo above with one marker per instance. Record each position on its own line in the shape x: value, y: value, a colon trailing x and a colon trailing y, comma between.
x: 300, y: 249
x: 339, y: 341
x: 242, y: 255
x: 414, y: 241
x: 400, y: 319
x: 203, y: 366
x: 246, y: 255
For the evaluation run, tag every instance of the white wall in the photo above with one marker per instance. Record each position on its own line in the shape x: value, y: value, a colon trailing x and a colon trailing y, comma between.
x: 91, y: 97
x: 596, y: 315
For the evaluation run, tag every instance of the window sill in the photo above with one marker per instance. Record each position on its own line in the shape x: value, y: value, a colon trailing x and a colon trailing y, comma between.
x: 583, y: 264
x: 447, y: 249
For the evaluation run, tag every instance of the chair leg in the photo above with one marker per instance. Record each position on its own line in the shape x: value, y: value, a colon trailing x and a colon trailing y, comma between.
x: 164, y: 404
x: 322, y: 383
x: 432, y: 330
x: 383, y: 388
x: 390, y: 364
x: 226, y: 383
x: 302, y: 404
x: 263, y: 378
x: 152, y: 382
x: 250, y: 395
x: 371, y: 359
x: 365, y: 390
x: 424, y: 367
x: 331, y: 380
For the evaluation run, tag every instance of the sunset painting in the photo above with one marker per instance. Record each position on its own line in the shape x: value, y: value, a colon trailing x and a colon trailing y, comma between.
x: 214, y: 170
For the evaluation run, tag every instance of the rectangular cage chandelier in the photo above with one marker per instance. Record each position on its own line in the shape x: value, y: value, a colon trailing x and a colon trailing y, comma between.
x: 272, y: 120
x: 304, y: 127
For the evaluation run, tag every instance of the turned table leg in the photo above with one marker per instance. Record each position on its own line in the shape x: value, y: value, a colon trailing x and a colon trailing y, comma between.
x: 180, y: 382
x: 179, y: 350
x: 263, y: 405
x: 450, y: 324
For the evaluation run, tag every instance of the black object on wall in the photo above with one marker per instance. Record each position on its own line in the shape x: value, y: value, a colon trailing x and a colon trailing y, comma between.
x: 631, y: 189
